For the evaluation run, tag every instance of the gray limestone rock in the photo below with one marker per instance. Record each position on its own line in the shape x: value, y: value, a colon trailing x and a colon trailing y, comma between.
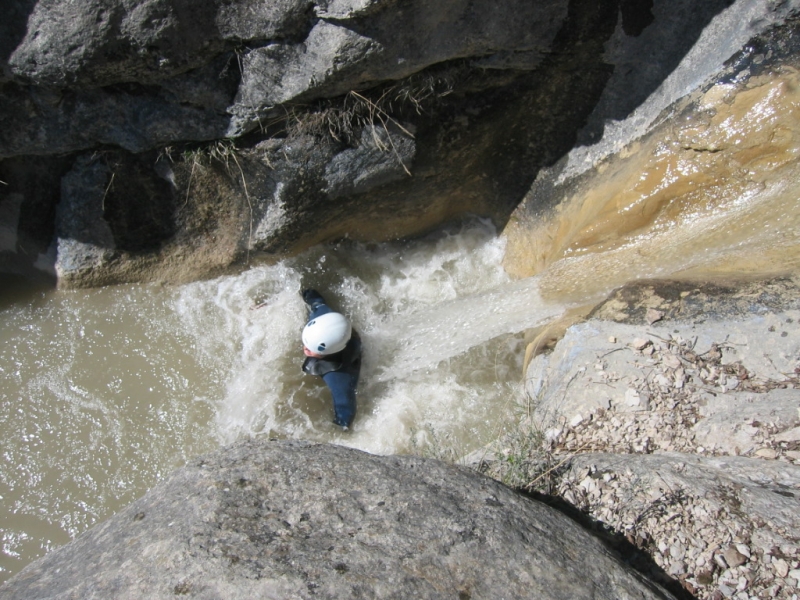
x: 734, y: 423
x: 704, y: 477
x: 85, y: 238
x: 587, y: 373
x: 762, y: 496
x: 497, y: 94
x: 125, y: 63
x: 105, y: 42
x: 297, y: 520
x: 381, y: 157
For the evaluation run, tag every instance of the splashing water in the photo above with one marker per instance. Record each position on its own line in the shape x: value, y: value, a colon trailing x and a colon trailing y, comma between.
x: 426, y: 365
x: 106, y: 391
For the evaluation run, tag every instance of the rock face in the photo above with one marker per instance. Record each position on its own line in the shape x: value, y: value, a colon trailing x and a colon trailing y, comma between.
x: 228, y: 129
x: 673, y: 198
x: 680, y: 434
x: 218, y: 67
x: 325, y: 106
x: 731, y: 360
x: 296, y: 520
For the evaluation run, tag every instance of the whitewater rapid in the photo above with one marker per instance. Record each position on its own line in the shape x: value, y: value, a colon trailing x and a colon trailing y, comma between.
x: 439, y: 359
x: 106, y: 391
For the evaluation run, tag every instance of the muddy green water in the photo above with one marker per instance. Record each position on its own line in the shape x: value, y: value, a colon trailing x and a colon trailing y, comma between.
x: 105, y: 392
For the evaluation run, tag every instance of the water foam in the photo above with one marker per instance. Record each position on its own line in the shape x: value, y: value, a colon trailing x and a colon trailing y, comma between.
x: 405, y: 299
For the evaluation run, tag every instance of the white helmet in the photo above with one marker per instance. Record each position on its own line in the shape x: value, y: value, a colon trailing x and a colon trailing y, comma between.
x: 327, y: 334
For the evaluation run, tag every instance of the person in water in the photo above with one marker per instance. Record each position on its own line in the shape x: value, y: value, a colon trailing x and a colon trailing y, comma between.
x: 333, y: 352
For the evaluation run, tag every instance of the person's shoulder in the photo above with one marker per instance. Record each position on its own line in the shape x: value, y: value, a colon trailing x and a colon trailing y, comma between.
x: 354, y: 341
x: 353, y: 349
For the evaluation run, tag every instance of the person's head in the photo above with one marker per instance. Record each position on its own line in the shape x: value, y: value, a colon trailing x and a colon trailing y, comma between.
x: 327, y: 334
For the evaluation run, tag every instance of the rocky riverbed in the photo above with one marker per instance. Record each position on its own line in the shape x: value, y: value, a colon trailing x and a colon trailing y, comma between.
x: 671, y: 419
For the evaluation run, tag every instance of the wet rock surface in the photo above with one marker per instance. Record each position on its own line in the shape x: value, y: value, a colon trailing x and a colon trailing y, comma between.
x: 661, y: 202
x: 680, y: 435
x: 298, y: 520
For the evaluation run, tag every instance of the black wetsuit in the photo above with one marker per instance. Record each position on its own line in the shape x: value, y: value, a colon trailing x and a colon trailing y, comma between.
x: 339, y: 371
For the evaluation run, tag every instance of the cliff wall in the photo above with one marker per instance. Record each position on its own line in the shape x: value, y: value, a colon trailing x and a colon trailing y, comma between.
x: 169, y: 140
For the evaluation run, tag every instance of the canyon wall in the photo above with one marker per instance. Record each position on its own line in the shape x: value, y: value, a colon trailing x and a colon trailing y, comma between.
x: 170, y: 141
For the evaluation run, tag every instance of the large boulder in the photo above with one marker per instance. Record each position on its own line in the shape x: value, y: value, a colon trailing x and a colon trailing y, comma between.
x: 298, y: 520
x: 159, y: 71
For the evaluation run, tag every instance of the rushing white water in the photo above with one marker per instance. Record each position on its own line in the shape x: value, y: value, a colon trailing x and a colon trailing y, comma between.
x: 106, y: 391
x: 426, y: 365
